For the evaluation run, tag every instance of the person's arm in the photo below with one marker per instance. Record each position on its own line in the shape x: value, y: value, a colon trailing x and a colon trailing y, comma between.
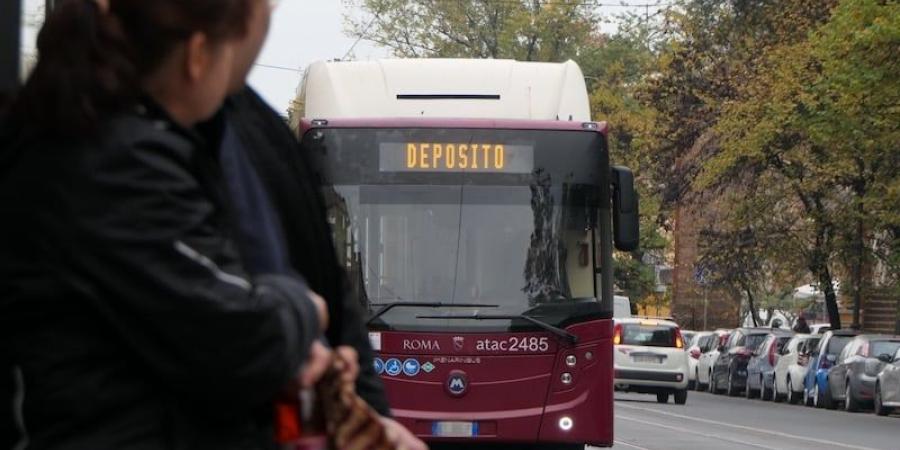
x: 147, y: 247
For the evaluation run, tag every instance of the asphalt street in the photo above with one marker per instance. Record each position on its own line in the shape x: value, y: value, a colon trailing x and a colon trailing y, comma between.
x: 720, y: 422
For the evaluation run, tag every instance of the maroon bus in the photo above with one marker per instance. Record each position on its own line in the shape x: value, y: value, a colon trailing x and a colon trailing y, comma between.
x: 483, y: 251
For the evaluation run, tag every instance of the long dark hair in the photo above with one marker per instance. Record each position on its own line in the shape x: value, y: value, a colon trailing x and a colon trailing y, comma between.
x: 92, y: 59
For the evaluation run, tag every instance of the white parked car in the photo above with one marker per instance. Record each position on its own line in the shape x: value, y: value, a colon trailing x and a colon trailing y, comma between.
x: 708, y: 357
x: 695, y: 350
x: 819, y: 328
x: 650, y: 358
x: 790, y: 371
x: 887, y: 387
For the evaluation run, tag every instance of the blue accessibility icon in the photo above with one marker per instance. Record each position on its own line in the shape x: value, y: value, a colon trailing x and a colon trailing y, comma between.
x: 379, y: 366
x: 411, y: 367
x: 393, y: 367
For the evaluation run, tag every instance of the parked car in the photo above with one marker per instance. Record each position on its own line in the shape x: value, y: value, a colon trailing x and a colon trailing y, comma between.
x: 852, y: 380
x: 761, y: 369
x: 790, y: 371
x: 819, y: 328
x: 887, y: 387
x: 708, y: 358
x: 815, y: 385
x: 650, y: 358
x: 688, y: 336
x: 729, y: 372
x: 695, y: 349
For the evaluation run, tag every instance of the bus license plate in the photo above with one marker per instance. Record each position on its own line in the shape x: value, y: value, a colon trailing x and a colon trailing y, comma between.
x: 454, y: 429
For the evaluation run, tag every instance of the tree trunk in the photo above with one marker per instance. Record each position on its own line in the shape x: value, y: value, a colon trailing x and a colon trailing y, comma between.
x: 754, y: 314
x: 827, y: 286
x: 859, y: 188
x: 859, y: 249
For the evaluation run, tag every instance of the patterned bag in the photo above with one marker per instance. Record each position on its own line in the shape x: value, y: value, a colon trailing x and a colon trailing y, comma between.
x: 347, y: 421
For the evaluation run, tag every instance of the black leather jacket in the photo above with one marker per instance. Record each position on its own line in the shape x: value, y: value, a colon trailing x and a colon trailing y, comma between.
x: 294, y: 185
x: 123, y: 301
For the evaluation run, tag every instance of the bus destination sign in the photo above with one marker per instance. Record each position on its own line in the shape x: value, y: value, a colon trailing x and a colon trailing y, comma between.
x: 456, y: 157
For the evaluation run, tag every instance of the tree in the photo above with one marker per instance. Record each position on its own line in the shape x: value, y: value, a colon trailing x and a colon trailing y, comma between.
x: 823, y: 122
x: 718, y: 57
x: 853, y: 109
x: 525, y: 30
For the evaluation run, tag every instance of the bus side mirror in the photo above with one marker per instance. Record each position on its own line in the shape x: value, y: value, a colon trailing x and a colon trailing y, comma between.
x: 626, y: 223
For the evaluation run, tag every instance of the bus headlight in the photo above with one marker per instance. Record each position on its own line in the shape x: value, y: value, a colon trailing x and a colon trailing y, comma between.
x: 566, y: 378
x: 571, y: 360
x: 566, y: 423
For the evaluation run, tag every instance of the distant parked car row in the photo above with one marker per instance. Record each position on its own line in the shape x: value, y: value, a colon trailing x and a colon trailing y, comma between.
x: 837, y: 368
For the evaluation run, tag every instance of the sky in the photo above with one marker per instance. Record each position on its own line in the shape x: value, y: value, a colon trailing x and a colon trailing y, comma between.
x: 303, y: 31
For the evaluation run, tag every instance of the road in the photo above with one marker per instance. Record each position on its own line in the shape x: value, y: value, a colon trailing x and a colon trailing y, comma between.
x: 709, y: 422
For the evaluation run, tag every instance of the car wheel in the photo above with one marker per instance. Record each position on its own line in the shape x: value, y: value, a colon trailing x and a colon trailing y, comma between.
x: 765, y: 392
x: 712, y: 384
x: 662, y: 397
x: 793, y: 397
x: 730, y: 390
x: 807, y: 397
x: 827, y: 399
x: 698, y: 386
x: 880, y: 409
x: 748, y: 393
x: 681, y: 396
x: 850, y: 403
x: 776, y: 396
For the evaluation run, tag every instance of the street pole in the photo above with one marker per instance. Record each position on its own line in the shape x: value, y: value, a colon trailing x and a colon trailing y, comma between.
x: 10, y: 43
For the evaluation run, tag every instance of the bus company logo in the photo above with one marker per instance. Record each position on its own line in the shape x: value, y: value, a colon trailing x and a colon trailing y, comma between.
x: 457, y: 383
x: 421, y: 344
x: 458, y: 343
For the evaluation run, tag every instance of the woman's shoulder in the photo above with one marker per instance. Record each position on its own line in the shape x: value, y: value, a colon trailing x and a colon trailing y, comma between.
x: 143, y: 129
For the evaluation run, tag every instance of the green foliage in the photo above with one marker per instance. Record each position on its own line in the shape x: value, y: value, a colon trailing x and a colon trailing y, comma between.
x: 636, y: 280
x: 526, y: 30
x: 821, y: 124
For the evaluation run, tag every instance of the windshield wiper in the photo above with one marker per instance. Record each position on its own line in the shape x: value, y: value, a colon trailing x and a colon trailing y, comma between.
x: 546, y: 326
x: 389, y: 306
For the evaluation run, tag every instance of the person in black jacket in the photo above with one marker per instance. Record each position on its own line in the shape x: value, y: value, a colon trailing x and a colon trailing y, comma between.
x: 293, y: 189
x: 126, y: 310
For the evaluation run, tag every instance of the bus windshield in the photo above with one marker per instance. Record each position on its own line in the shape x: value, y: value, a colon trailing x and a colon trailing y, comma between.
x: 523, y: 243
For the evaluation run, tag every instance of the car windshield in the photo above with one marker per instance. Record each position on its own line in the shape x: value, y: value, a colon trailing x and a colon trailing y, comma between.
x: 704, y: 342
x: 689, y: 339
x: 754, y: 340
x: 884, y: 348
x: 648, y: 335
x: 837, y: 343
x: 779, y: 344
x: 809, y: 345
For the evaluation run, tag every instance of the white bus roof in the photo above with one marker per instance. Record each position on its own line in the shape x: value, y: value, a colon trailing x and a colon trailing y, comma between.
x: 446, y: 88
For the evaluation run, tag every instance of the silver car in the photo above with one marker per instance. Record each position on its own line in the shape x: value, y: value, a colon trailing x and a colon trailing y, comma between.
x: 887, y: 388
x: 852, y: 379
